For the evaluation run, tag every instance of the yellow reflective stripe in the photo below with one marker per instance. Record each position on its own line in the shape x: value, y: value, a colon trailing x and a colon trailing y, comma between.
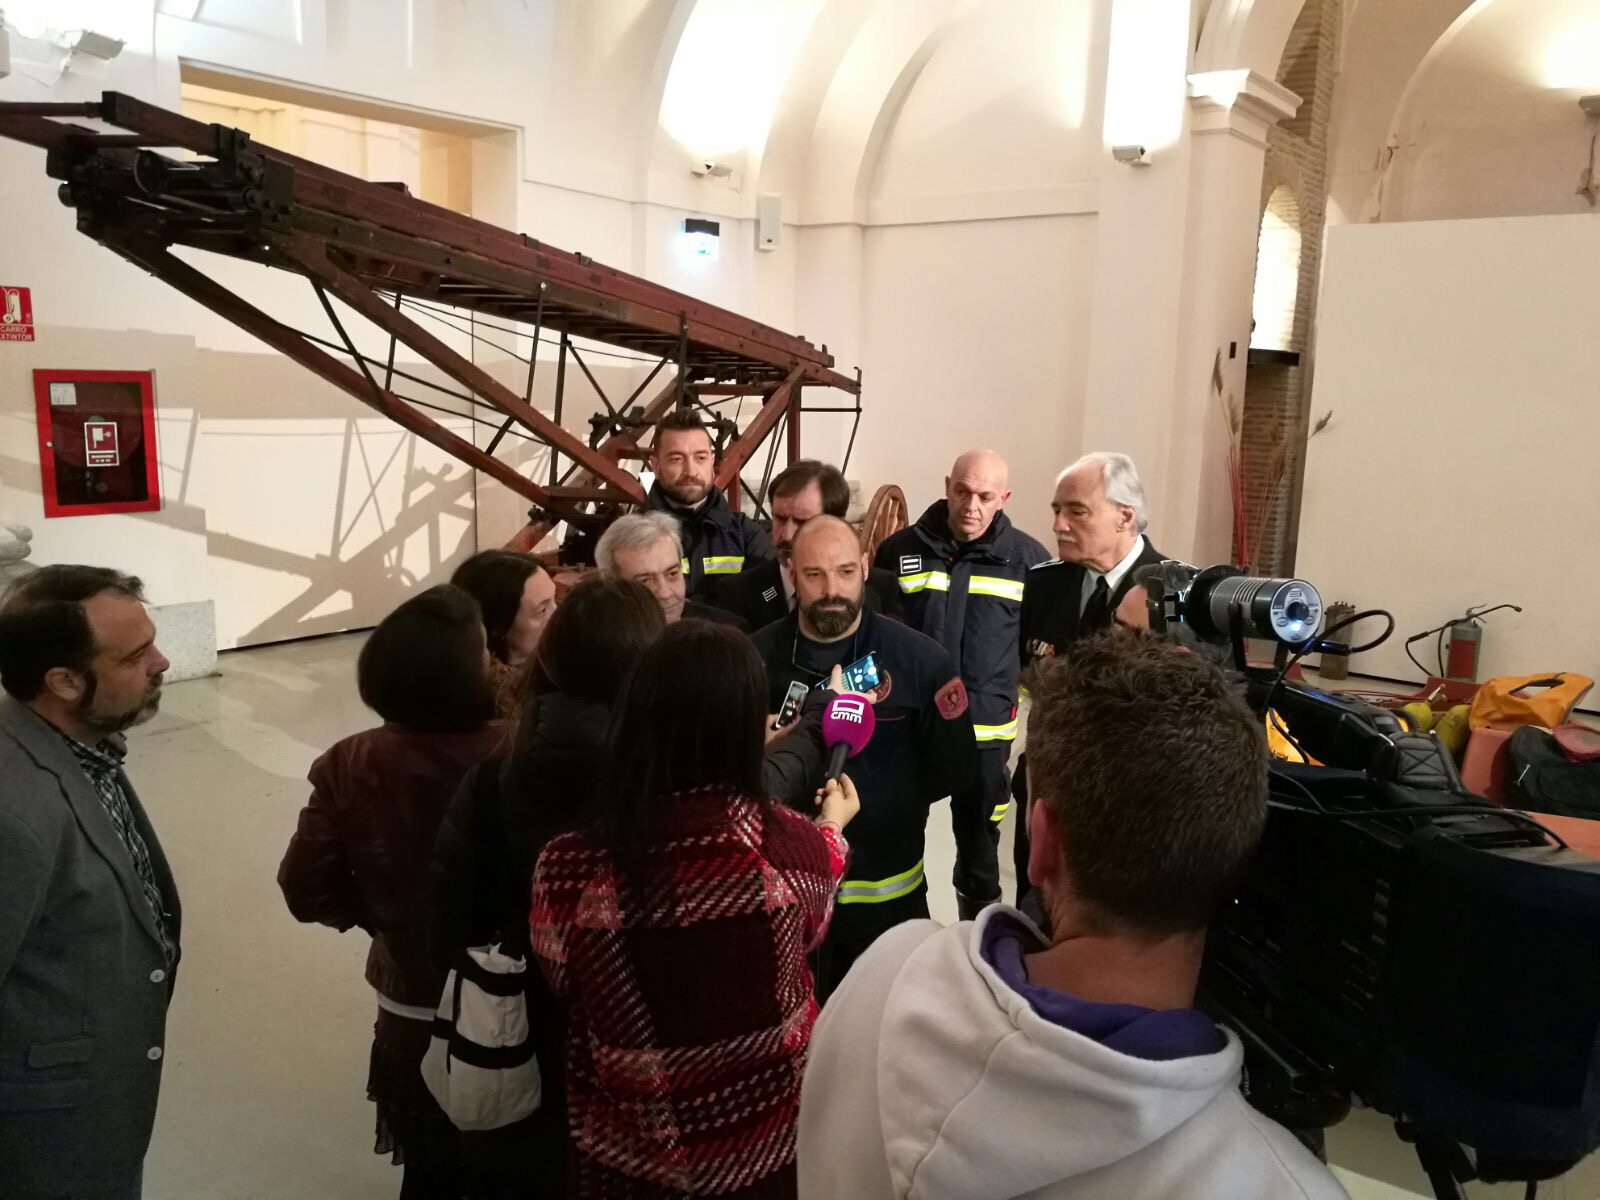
x: 993, y: 585
x: 933, y: 581
x: 685, y: 563
x: 999, y: 812
x: 996, y: 733
x: 876, y: 891
x: 723, y: 564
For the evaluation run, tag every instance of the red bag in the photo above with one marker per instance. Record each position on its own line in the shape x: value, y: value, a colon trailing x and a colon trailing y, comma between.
x: 1578, y: 742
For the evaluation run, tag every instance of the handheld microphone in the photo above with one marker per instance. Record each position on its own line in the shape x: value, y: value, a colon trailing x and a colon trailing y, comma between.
x: 846, y: 729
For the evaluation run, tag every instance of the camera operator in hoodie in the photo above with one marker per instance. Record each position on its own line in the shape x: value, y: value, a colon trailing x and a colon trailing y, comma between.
x: 991, y: 1059
x: 961, y: 569
x: 718, y: 543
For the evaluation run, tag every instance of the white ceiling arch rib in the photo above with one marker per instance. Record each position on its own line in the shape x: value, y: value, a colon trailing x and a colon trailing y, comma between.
x: 1249, y: 34
x: 862, y: 100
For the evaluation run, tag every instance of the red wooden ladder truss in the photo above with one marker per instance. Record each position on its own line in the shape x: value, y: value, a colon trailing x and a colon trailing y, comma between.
x: 401, y: 264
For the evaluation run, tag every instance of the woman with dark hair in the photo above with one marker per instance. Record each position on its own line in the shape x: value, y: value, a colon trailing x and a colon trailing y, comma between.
x: 517, y: 597
x: 505, y: 811
x: 677, y: 928
x: 360, y: 855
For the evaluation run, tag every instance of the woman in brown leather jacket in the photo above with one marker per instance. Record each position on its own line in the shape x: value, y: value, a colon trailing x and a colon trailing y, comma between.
x: 360, y: 855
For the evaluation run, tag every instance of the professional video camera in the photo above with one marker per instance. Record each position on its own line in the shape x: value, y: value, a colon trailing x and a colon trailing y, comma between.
x: 1395, y: 940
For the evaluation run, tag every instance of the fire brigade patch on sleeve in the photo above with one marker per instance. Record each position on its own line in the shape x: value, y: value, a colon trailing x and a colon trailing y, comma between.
x: 951, y: 699
x: 910, y: 564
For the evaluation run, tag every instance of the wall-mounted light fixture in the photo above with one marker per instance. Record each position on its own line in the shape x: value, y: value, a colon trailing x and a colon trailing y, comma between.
x: 1133, y: 156
x: 701, y: 238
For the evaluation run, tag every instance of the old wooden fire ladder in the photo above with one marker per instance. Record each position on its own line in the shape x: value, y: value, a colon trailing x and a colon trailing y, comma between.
x: 399, y: 262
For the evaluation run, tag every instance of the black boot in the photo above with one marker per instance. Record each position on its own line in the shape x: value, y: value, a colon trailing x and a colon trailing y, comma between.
x: 968, y: 907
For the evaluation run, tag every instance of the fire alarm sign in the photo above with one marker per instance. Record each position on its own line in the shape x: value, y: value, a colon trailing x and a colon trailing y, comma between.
x: 100, y: 444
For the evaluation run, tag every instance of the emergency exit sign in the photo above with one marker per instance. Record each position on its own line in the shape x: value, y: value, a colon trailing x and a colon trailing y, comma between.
x: 16, y: 314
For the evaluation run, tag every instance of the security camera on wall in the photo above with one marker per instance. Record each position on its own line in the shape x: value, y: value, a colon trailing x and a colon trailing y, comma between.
x: 716, y: 170
x: 95, y: 45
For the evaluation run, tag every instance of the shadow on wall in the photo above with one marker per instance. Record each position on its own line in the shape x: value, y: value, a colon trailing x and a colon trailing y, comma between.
x: 320, y: 514
x: 375, y: 578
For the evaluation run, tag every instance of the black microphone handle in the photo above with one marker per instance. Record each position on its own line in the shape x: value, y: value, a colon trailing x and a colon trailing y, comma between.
x: 836, y: 756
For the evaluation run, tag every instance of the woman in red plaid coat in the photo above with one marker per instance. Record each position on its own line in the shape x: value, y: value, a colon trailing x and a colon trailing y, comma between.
x: 677, y: 930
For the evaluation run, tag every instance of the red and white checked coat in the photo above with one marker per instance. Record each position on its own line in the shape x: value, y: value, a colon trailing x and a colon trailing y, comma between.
x: 691, y: 1001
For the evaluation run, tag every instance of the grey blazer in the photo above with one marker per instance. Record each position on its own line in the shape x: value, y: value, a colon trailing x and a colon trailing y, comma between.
x: 84, y: 981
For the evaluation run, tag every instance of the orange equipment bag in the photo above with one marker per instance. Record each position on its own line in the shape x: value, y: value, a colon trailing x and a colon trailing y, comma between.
x: 1511, y: 701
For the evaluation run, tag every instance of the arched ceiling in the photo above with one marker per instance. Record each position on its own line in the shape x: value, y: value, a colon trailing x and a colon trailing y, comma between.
x: 799, y: 95
x: 1383, y: 46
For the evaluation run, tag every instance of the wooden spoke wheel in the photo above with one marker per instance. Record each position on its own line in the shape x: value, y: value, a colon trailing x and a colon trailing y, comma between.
x: 885, y: 515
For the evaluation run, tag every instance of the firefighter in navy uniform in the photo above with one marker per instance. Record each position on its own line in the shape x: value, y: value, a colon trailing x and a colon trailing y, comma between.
x: 1099, y: 523
x: 921, y: 746
x: 718, y: 543
x: 961, y: 570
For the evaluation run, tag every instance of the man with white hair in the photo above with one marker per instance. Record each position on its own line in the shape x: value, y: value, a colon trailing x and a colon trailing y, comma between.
x: 1100, y: 519
x: 647, y: 548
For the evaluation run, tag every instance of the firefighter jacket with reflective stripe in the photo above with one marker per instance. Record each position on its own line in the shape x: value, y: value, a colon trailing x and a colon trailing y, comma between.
x: 967, y: 596
x: 717, y: 542
x: 921, y: 749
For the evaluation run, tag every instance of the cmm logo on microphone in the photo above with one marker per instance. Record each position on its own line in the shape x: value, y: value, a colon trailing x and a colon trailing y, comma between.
x: 849, y: 708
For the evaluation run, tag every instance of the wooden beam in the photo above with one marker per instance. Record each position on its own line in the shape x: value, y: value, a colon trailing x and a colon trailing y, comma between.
x: 206, y: 292
x: 311, y: 255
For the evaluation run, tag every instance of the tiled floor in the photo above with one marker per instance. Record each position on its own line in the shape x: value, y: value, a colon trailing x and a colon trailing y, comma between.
x: 267, y: 1051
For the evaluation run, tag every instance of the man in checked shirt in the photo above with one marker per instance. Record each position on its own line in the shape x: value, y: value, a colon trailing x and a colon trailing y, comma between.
x: 89, y: 914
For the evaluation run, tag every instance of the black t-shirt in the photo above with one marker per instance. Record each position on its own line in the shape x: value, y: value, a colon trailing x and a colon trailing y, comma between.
x: 819, y: 658
x: 922, y: 746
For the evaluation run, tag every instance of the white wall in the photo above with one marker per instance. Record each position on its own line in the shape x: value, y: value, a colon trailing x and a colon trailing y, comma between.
x: 978, y: 255
x: 958, y: 357
x: 1460, y: 359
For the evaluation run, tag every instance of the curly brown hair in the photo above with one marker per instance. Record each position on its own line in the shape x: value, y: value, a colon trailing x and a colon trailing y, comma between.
x: 1156, y: 773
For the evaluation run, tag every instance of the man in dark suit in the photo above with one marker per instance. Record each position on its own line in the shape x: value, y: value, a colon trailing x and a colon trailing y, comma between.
x: 1100, y: 518
x: 89, y: 914
x: 765, y: 593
